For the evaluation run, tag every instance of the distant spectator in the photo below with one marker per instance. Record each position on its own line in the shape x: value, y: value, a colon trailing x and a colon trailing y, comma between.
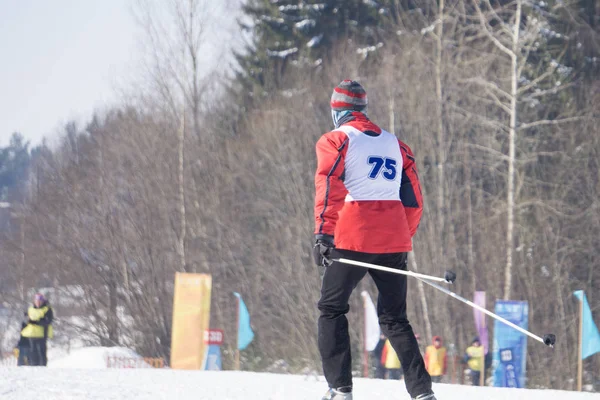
x: 377, y: 352
x: 390, y: 361
x: 38, y: 330
x: 435, y: 359
x: 474, y: 358
x: 22, y: 348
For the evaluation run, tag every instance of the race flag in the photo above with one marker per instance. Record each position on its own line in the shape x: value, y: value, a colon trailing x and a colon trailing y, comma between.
x: 245, y: 334
x: 590, y: 337
x: 372, y: 330
x: 480, y: 324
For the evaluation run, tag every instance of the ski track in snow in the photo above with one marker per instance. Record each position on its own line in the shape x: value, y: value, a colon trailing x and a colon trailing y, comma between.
x: 30, y: 383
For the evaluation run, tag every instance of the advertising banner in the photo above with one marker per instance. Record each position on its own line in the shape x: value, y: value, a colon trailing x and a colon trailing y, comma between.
x: 214, y: 340
x: 510, y: 345
x: 191, y: 317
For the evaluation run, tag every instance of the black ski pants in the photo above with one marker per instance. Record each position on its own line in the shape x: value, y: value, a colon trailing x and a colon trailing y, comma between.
x: 37, y: 352
x: 339, y: 280
x: 475, y: 378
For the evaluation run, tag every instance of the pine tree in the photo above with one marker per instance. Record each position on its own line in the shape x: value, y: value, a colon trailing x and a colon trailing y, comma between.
x: 298, y: 33
x: 14, y: 168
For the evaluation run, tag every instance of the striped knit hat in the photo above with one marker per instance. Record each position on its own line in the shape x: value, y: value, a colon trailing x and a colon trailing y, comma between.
x: 349, y: 95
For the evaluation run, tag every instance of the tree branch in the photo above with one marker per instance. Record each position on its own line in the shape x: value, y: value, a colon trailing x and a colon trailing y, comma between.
x: 534, y: 82
x: 487, y: 84
x: 496, y: 153
x: 549, y: 122
x: 489, y: 34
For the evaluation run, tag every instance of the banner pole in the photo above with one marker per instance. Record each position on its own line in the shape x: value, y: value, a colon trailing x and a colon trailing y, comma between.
x: 365, y: 352
x: 482, y: 376
x: 237, y: 348
x: 580, y: 356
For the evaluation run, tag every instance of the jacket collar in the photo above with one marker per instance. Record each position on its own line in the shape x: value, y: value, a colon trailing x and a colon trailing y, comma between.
x: 361, y: 122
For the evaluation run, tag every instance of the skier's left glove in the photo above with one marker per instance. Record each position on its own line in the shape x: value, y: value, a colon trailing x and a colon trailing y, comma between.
x: 322, y: 250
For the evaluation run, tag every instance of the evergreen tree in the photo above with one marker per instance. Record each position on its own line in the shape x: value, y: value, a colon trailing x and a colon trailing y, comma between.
x: 14, y: 168
x: 299, y: 33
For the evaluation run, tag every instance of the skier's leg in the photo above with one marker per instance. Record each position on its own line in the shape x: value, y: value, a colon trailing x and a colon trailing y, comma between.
x: 43, y: 353
x: 391, y: 307
x: 334, y: 341
x: 33, y: 352
x: 23, y: 352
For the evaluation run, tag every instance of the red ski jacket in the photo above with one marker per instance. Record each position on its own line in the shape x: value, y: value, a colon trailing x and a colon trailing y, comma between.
x: 368, y: 194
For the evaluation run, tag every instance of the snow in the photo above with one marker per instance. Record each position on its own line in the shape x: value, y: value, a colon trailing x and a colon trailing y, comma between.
x: 83, y: 374
x: 302, y: 6
x: 306, y: 24
x: 315, y: 40
x: 430, y: 28
x: 366, y: 50
x: 289, y: 8
x: 92, y: 357
x: 283, y: 53
x: 28, y: 383
x: 268, y: 18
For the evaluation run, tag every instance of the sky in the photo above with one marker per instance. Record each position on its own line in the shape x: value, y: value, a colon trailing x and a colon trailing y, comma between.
x: 61, y: 60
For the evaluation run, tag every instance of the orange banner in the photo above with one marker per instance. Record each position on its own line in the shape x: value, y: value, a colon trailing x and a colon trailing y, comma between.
x: 191, y: 317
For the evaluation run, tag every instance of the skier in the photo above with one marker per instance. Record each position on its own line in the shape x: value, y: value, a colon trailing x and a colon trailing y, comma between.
x: 367, y: 208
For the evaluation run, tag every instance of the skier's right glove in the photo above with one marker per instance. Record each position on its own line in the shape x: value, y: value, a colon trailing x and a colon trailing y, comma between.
x: 322, y: 250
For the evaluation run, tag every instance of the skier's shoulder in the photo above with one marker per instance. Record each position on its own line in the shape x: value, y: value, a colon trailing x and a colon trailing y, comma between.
x: 406, y: 150
x: 335, y: 138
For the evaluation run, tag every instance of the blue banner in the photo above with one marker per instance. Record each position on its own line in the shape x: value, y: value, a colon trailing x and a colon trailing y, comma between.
x: 213, y: 358
x: 590, y: 340
x: 245, y: 333
x: 510, y: 345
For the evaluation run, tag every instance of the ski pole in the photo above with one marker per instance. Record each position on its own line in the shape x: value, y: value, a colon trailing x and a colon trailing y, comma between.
x: 548, y: 339
x: 449, y: 276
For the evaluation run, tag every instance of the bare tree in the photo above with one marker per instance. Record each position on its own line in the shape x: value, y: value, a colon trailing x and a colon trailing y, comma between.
x: 515, y: 39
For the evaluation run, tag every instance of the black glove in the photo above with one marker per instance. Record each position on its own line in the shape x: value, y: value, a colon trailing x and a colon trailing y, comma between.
x: 322, y: 250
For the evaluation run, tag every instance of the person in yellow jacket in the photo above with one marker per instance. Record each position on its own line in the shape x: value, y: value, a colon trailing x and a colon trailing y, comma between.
x: 38, y: 330
x: 435, y: 359
x: 474, y: 358
x: 390, y: 361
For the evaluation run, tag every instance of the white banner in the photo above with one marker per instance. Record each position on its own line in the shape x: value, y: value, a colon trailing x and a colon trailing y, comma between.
x: 372, y: 331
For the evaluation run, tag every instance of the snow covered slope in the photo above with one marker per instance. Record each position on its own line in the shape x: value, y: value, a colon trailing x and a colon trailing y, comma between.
x: 30, y: 383
x: 92, y: 357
